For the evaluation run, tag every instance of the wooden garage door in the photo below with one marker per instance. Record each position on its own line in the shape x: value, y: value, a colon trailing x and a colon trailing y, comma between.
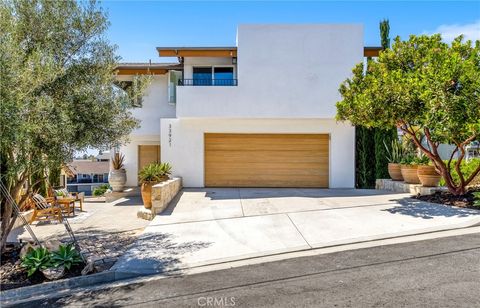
x: 148, y: 154
x: 266, y: 160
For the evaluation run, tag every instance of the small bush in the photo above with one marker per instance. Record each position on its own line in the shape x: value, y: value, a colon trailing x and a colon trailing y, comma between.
x: 467, y: 169
x: 101, y: 190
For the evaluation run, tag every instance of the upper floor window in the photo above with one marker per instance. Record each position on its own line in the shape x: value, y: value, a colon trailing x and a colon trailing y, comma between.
x: 208, y: 76
x: 202, y: 76
x: 223, y: 76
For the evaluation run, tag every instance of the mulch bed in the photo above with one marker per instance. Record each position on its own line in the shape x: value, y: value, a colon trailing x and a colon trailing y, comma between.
x: 102, y: 249
x: 13, y: 275
x: 465, y: 201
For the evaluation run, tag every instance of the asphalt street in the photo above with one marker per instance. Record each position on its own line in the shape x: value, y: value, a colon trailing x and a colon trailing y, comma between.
x: 442, y: 272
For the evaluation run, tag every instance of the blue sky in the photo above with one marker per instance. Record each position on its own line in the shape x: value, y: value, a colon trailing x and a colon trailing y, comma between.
x: 137, y: 27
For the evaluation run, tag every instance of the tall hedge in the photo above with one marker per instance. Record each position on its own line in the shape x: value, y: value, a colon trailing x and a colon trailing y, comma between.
x: 365, y: 157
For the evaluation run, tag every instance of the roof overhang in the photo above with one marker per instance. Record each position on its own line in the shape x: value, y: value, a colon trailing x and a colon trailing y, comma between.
x: 146, y: 68
x: 197, y: 51
x: 371, y: 51
x: 228, y: 51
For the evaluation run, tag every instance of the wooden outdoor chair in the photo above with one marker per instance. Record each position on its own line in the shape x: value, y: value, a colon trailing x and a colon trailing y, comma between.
x: 64, y: 193
x: 45, y: 209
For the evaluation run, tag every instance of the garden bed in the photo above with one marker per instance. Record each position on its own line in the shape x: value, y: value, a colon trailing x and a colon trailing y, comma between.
x: 13, y: 275
x: 103, y: 249
x: 466, y: 201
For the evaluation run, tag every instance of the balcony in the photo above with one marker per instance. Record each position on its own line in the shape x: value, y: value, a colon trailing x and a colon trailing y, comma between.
x: 208, y: 82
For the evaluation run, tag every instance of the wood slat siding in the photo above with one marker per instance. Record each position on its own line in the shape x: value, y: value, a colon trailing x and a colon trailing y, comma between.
x: 148, y: 154
x: 266, y: 160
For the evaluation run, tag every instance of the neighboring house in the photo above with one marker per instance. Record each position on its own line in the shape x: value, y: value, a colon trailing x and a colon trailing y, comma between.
x: 259, y: 114
x: 85, y: 175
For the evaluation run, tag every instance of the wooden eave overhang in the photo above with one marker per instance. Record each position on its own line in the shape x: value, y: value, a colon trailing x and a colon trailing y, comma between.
x: 197, y: 51
x: 371, y: 51
x: 146, y: 69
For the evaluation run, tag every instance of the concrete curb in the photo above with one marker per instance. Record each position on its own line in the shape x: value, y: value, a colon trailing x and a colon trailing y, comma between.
x: 63, y: 285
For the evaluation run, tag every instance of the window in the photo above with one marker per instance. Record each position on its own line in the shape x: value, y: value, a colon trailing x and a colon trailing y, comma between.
x: 223, y: 76
x: 216, y: 76
x: 202, y: 76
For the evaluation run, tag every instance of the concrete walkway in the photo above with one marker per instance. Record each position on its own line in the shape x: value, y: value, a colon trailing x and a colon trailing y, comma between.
x: 96, y: 218
x: 208, y: 226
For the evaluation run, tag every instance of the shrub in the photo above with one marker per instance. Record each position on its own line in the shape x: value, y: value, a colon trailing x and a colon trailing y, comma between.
x: 467, y: 168
x: 37, y: 259
x: 101, y: 190
x: 476, y: 202
x: 66, y: 256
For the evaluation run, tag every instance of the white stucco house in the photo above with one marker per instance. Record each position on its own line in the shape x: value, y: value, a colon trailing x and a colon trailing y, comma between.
x: 258, y: 114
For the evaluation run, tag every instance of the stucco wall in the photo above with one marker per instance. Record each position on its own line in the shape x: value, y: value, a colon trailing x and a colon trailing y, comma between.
x: 284, y: 71
x: 155, y: 106
x: 183, y: 143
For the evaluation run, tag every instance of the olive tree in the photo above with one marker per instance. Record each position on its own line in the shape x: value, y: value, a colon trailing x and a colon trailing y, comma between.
x: 421, y: 85
x: 57, y: 75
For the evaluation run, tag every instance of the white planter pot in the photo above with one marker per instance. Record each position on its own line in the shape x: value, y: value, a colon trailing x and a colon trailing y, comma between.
x: 117, y: 179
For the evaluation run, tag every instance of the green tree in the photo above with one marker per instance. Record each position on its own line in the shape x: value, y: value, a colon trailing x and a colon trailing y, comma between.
x: 422, y: 85
x: 383, y: 136
x: 56, y: 89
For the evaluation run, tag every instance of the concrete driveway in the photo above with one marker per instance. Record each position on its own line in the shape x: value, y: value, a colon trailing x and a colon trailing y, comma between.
x: 208, y: 226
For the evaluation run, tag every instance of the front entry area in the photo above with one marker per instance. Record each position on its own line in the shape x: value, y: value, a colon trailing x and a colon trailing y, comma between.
x: 148, y: 154
x: 266, y: 160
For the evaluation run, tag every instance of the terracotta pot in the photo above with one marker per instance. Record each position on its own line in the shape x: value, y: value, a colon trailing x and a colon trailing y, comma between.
x: 428, y: 176
x: 409, y: 174
x: 395, y: 172
x: 117, y: 179
x: 146, y: 190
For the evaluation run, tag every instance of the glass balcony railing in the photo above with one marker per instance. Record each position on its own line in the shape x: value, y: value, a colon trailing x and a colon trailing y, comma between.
x: 208, y: 82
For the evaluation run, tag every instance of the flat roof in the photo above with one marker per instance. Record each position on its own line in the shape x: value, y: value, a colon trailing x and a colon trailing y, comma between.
x: 368, y: 51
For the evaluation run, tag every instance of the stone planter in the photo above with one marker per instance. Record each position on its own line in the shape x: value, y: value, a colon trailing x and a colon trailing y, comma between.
x: 395, y: 172
x: 409, y: 174
x: 428, y: 176
x: 117, y: 179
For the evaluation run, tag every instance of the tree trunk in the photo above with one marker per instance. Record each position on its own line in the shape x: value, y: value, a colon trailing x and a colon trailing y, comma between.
x: 440, y: 165
x: 7, y: 220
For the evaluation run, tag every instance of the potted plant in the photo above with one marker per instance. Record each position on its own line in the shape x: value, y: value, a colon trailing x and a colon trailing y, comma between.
x: 394, y: 157
x: 408, y: 168
x: 150, y: 175
x: 428, y: 175
x: 118, y: 176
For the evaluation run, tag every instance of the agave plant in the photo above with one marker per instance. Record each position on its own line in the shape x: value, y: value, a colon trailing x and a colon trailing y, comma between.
x: 117, y: 161
x: 155, y: 172
x: 36, y: 259
x: 66, y: 256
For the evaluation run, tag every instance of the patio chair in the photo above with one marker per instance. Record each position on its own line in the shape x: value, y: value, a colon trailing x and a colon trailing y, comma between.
x: 64, y: 193
x: 45, y: 209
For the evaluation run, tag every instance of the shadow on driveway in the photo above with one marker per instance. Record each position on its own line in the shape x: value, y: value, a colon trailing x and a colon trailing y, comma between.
x: 420, y: 209
x: 156, y: 252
